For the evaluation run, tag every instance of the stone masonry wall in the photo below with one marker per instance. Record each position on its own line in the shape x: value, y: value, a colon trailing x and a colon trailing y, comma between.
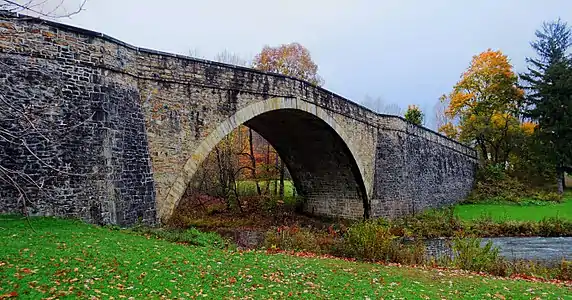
x: 89, y: 156
x: 414, y: 173
x: 139, y: 109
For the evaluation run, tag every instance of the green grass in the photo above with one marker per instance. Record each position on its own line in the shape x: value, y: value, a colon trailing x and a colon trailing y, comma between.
x: 70, y: 259
x: 248, y: 187
x: 516, y: 212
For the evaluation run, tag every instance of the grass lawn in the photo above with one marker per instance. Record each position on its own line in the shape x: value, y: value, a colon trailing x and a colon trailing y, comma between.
x: 70, y: 259
x: 248, y: 187
x: 517, y: 212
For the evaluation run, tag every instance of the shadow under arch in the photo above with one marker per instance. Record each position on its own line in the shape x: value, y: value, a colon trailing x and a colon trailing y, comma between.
x: 323, y: 164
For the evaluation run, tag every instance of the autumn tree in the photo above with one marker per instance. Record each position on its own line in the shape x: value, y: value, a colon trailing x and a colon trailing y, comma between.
x: 292, y: 60
x: 414, y: 115
x: 289, y: 59
x: 252, y: 155
x: 549, y: 98
x: 486, y: 103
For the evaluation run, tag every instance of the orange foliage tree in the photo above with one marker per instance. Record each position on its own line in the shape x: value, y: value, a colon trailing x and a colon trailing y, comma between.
x: 289, y: 59
x: 292, y: 60
x: 485, y: 105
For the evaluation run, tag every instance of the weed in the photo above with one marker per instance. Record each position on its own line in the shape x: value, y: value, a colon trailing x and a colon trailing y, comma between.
x: 548, y: 196
x: 469, y: 254
x: 430, y: 224
x: 295, y: 238
x: 190, y: 236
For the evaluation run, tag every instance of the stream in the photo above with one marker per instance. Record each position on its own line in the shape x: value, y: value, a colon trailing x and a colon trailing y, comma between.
x: 549, y: 250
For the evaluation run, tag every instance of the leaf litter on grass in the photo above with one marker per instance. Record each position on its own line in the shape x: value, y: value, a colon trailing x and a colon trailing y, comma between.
x: 71, y: 259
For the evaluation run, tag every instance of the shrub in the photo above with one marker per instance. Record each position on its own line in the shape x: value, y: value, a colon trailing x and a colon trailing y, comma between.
x: 531, y: 268
x: 554, y: 227
x: 547, y: 196
x: 495, y: 185
x: 374, y: 240
x: 190, y: 236
x: 368, y: 240
x: 429, y: 224
x: 564, y: 271
x: 294, y: 238
x: 561, y: 271
x: 486, y: 227
x: 506, y: 190
x: 511, y: 228
x: 371, y: 240
x: 468, y: 254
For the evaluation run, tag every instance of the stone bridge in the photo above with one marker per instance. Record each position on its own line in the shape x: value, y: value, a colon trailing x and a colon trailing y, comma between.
x: 138, y: 123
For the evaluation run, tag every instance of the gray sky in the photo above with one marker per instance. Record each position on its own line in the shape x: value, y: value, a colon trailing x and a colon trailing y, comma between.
x: 406, y: 52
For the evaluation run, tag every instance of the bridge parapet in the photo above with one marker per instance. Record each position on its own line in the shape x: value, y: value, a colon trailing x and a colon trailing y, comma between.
x: 76, y: 46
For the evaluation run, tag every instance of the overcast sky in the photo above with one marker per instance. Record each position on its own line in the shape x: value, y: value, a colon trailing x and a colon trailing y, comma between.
x: 406, y: 52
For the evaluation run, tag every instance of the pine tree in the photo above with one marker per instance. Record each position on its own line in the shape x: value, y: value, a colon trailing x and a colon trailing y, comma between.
x: 549, y: 98
x: 414, y: 115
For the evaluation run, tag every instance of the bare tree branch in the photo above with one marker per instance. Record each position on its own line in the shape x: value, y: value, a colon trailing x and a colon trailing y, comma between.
x: 36, y: 7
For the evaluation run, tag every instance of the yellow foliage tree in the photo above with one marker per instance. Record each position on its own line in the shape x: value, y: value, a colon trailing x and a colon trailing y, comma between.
x: 528, y: 128
x: 449, y: 130
x: 486, y: 103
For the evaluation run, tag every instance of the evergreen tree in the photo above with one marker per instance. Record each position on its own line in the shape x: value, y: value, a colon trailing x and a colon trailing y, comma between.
x: 414, y: 115
x: 549, y: 98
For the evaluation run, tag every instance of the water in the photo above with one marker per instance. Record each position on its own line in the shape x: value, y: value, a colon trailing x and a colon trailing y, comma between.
x: 547, y: 249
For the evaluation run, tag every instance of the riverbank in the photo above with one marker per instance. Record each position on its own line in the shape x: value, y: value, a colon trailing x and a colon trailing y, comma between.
x: 69, y: 258
x: 523, y: 210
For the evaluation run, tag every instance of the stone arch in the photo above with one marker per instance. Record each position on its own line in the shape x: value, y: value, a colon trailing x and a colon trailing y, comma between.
x: 248, y: 116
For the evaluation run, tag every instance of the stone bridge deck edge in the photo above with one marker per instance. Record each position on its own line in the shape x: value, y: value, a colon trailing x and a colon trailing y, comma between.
x: 322, y: 98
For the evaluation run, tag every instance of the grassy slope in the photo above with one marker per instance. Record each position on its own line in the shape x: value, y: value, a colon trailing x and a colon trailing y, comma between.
x: 517, y: 212
x: 78, y: 260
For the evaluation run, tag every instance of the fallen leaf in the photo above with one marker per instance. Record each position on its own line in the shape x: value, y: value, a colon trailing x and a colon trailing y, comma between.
x: 9, y: 295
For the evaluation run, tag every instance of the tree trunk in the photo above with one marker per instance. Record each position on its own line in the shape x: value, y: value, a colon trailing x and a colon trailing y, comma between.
x: 561, y: 179
x: 253, y: 161
x: 267, y: 168
x: 282, y: 178
x: 221, y: 176
x: 276, y: 179
x: 483, y: 150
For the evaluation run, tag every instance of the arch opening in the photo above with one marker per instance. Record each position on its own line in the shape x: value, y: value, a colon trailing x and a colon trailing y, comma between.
x: 322, y: 167
x: 314, y: 149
